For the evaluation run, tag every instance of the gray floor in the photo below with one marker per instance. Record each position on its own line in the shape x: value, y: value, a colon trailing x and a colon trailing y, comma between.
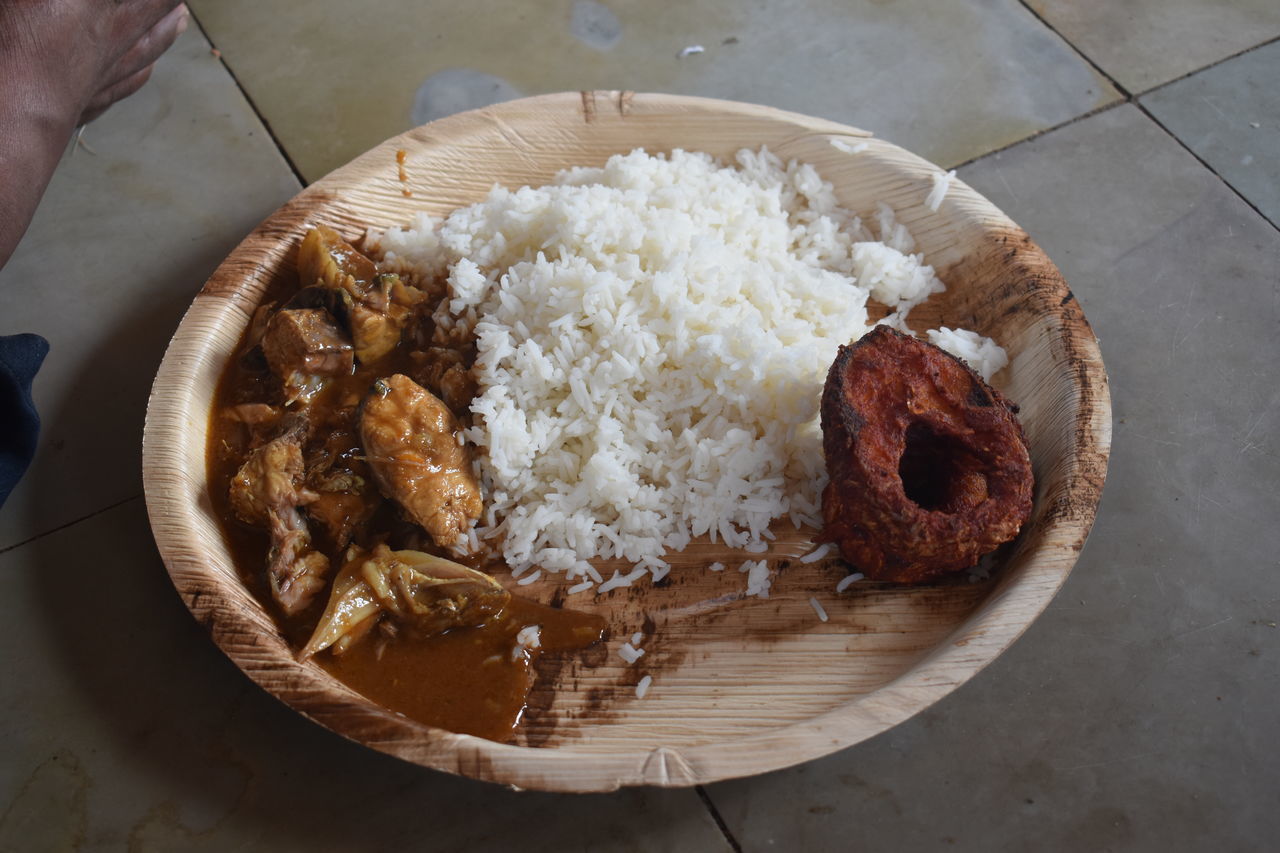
x: 1140, y: 149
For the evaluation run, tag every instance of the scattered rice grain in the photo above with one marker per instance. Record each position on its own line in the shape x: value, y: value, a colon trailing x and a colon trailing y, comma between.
x: 529, y: 638
x: 849, y: 580
x: 817, y: 553
x: 849, y: 147
x: 818, y: 608
x: 941, y: 183
x: 758, y: 581
x: 629, y: 653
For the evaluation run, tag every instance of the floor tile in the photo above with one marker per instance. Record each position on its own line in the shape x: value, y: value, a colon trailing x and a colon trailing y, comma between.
x: 1137, y: 713
x: 950, y: 81
x: 1230, y: 116
x: 125, y: 726
x: 1143, y: 43
x: 121, y: 243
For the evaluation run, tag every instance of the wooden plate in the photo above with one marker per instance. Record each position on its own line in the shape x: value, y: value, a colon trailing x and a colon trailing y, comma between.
x: 740, y: 686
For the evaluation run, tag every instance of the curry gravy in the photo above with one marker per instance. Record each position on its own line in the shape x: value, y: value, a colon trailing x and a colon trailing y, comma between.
x: 466, y: 680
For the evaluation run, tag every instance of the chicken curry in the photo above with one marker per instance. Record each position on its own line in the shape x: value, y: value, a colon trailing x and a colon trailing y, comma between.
x: 347, y: 493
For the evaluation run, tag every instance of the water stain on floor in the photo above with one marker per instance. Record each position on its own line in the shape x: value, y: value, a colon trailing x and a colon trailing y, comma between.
x: 595, y: 25
x: 454, y: 90
x: 58, y: 787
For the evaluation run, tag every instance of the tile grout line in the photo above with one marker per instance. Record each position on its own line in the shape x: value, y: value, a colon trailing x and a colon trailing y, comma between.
x: 715, y: 815
x: 71, y: 523
x: 1125, y: 96
x: 248, y: 98
x: 1130, y: 95
x: 1211, y: 65
x: 1124, y: 93
x: 1146, y: 112
x: 1135, y: 99
x: 1039, y: 133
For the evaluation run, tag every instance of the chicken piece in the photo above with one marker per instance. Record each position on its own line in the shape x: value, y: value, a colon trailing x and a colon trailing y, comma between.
x: 259, y: 421
x: 296, y: 572
x: 381, y: 304
x: 267, y: 491
x: 250, y: 356
x: 346, y: 497
x: 336, y: 302
x: 302, y: 346
x: 327, y: 258
x: 271, y: 477
x: 254, y: 414
x: 376, y: 331
x: 445, y: 373
x: 344, y: 502
x: 410, y: 439
x: 306, y: 340
x: 421, y: 593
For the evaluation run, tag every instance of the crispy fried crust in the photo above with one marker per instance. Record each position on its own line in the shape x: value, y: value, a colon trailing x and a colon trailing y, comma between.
x: 928, y: 466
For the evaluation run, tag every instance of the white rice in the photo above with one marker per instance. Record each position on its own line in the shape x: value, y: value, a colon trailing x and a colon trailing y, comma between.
x: 528, y: 638
x: 636, y: 638
x: 758, y: 581
x: 630, y: 653
x: 653, y: 337
x: 620, y: 579
x: 849, y: 147
x: 716, y: 567
x: 580, y: 587
x: 983, y: 354
x: 643, y: 686
x: 941, y: 183
x: 530, y: 578
x: 817, y: 553
x: 818, y: 608
x: 849, y: 580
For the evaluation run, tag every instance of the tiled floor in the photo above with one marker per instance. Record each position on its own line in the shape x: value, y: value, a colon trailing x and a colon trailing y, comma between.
x: 1137, y: 714
x: 1141, y: 44
x: 1229, y: 115
x: 950, y: 81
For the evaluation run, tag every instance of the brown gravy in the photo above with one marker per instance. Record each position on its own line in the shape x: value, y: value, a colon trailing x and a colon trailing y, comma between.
x: 466, y: 680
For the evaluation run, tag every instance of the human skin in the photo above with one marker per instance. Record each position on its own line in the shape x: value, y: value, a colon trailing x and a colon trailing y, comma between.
x: 62, y: 63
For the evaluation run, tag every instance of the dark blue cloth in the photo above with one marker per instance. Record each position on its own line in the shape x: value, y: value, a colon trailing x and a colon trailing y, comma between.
x: 20, y: 358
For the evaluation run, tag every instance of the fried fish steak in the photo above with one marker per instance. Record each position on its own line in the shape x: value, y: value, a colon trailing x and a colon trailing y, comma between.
x: 928, y: 465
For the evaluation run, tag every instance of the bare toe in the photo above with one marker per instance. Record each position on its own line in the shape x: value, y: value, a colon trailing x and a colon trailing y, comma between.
x: 115, y: 92
x: 131, y: 71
